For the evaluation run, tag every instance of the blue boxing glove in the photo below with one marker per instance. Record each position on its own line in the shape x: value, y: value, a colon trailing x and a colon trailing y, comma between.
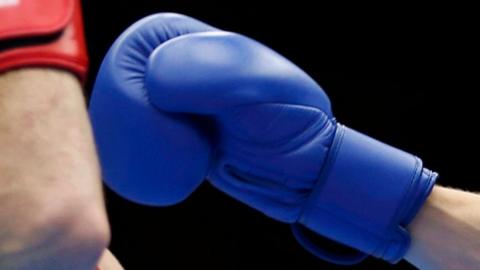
x: 177, y: 101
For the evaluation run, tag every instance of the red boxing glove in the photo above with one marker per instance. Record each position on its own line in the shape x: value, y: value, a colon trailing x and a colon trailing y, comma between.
x: 45, y: 33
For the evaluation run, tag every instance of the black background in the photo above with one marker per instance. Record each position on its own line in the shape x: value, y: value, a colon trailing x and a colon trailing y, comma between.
x: 405, y: 74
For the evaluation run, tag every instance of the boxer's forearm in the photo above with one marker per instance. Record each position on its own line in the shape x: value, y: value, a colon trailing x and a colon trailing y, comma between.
x: 109, y: 262
x: 52, y: 214
x: 446, y: 233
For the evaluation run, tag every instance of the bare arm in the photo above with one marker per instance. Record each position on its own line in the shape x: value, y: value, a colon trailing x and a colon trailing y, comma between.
x: 446, y: 233
x: 52, y: 214
x: 109, y: 262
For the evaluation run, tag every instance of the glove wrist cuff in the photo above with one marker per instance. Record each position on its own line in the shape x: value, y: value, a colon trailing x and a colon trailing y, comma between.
x: 43, y: 33
x: 367, y: 194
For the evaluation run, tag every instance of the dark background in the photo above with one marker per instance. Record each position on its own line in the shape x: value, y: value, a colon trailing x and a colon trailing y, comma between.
x: 403, y: 74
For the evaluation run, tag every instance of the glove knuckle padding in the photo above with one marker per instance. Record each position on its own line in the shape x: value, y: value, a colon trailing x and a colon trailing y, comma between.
x: 138, y: 154
x: 209, y: 73
x: 177, y: 100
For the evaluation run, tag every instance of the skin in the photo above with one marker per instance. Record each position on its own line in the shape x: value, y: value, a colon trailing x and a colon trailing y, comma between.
x: 52, y: 214
x: 446, y: 233
x: 109, y: 262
